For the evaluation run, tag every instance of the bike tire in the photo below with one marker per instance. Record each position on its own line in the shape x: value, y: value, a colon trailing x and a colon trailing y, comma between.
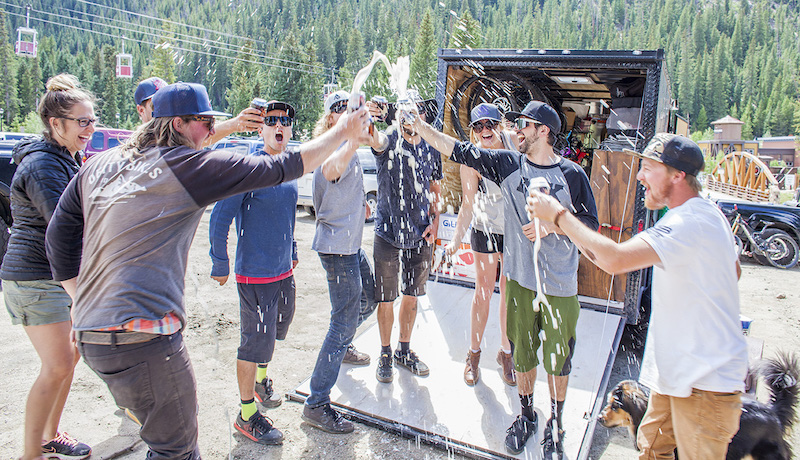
x: 782, y: 250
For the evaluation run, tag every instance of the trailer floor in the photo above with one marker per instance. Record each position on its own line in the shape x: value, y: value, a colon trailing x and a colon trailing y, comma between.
x: 441, y: 409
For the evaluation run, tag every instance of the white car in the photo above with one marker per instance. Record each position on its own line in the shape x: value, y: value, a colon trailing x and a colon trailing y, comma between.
x: 370, y: 168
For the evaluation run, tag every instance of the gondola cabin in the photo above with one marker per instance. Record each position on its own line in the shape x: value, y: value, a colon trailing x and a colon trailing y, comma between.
x: 124, y: 65
x: 26, y: 42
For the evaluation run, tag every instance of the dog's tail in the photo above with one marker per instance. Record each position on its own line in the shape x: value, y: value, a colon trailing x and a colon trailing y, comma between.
x: 782, y: 375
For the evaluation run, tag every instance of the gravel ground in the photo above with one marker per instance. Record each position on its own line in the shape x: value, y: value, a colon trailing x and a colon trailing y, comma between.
x: 769, y: 296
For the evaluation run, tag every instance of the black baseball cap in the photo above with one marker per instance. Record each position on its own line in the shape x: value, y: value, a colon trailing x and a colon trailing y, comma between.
x: 485, y: 111
x: 539, y: 112
x: 278, y: 105
x: 673, y: 150
x: 181, y: 99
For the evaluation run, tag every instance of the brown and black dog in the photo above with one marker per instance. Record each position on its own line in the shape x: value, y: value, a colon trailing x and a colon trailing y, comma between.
x: 762, y: 427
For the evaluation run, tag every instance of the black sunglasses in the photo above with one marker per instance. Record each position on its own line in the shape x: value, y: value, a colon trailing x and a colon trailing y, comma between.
x: 479, y: 126
x: 82, y: 122
x: 339, y: 107
x: 209, y: 121
x: 273, y: 120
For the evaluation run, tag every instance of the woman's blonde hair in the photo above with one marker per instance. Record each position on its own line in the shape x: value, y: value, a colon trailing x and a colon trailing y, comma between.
x: 63, y: 93
x: 322, y: 125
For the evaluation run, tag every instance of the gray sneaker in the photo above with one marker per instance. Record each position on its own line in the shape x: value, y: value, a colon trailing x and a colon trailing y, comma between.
x: 326, y: 418
x: 265, y: 394
x: 355, y: 357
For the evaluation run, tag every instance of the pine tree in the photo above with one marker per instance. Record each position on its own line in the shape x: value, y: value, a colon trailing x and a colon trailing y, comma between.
x: 9, y: 100
x: 245, y: 79
x: 466, y: 33
x: 423, y: 61
x: 701, y: 122
x: 109, y: 96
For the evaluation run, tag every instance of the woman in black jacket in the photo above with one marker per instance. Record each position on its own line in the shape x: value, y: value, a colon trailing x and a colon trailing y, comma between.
x: 45, y: 166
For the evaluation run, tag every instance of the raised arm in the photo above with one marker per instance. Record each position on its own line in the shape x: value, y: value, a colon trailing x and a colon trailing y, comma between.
x: 439, y: 141
x: 611, y: 257
x: 350, y: 127
x: 248, y: 120
x: 336, y: 164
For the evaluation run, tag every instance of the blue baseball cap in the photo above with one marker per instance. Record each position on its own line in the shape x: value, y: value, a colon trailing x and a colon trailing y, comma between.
x: 147, y: 89
x: 540, y: 113
x: 181, y: 99
x: 485, y: 111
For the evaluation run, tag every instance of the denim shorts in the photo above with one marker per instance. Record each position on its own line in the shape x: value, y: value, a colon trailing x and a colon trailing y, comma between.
x: 36, y: 303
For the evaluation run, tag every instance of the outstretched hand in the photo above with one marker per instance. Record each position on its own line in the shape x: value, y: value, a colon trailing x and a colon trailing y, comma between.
x: 355, y: 125
x: 545, y: 207
x: 248, y: 120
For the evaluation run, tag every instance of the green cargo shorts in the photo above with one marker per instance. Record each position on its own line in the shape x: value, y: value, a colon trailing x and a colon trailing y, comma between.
x: 36, y: 303
x: 554, y: 330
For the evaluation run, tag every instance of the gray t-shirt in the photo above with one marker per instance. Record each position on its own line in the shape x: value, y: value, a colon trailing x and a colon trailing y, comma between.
x: 558, y: 256
x: 340, y: 209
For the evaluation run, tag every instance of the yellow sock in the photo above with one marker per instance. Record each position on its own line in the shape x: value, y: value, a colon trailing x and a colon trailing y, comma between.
x: 261, y: 372
x: 248, y: 409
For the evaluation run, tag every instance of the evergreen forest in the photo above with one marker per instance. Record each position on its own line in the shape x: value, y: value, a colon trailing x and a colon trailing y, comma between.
x: 737, y: 57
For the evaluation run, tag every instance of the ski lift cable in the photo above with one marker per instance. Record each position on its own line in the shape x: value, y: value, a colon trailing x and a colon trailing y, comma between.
x: 163, y: 20
x: 158, y: 36
x: 171, y: 46
x: 204, y: 41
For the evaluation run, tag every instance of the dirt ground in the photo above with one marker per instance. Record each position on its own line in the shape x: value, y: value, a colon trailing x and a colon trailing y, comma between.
x: 769, y: 296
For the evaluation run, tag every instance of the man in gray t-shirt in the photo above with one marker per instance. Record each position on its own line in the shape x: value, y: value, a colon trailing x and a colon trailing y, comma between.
x: 340, y: 207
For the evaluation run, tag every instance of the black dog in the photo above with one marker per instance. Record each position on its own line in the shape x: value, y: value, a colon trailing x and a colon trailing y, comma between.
x: 762, y: 427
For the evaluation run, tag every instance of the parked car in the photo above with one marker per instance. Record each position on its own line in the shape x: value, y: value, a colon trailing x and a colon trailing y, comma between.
x: 104, y: 139
x: 370, y: 170
x: 768, y: 220
x: 7, y: 168
x: 11, y: 136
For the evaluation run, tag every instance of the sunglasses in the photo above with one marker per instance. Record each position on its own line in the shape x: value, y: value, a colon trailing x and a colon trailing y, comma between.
x: 479, y: 126
x: 82, y: 122
x: 209, y: 121
x: 522, y: 123
x: 273, y: 120
x: 339, y: 107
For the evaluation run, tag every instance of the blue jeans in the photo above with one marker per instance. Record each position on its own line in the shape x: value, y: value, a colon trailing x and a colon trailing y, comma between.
x: 351, y: 286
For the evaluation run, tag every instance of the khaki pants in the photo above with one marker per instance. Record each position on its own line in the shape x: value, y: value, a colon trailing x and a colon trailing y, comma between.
x: 700, y: 426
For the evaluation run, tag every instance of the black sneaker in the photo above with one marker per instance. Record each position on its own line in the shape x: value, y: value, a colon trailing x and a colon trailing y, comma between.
x: 265, y: 395
x: 385, y: 371
x: 411, y: 362
x: 549, y: 446
x: 327, y: 419
x: 519, y: 432
x: 64, y: 446
x: 355, y: 357
x: 259, y: 429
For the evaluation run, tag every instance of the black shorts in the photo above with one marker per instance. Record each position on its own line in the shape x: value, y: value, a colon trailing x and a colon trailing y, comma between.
x: 391, y: 263
x: 265, y: 313
x: 486, y: 243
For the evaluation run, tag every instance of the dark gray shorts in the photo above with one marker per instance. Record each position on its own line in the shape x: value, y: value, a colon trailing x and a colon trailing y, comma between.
x: 265, y: 313
x: 391, y: 263
x: 486, y: 243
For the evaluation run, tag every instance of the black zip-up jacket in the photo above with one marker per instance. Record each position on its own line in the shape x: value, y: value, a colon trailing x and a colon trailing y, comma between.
x: 43, y: 172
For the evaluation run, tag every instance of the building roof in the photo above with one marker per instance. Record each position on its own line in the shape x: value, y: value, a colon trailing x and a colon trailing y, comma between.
x: 727, y: 120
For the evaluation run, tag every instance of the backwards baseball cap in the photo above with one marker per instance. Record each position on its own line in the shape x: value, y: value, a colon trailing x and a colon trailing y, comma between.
x: 485, y: 111
x: 540, y: 113
x: 333, y: 98
x: 147, y: 88
x: 278, y: 105
x: 180, y: 99
x: 673, y: 150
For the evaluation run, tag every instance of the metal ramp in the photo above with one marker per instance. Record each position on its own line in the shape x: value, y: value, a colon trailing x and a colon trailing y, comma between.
x: 442, y: 410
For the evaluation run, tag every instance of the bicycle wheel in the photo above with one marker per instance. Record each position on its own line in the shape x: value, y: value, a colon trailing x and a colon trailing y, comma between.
x: 781, y: 249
